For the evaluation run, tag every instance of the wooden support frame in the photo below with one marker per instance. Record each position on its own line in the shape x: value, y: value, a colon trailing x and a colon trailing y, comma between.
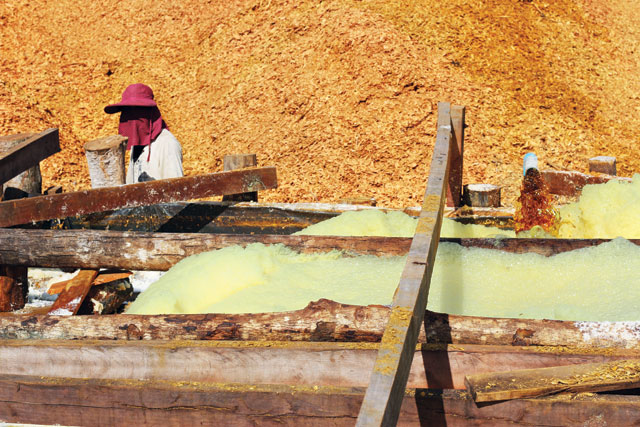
x: 14, y: 212
x: 28, y: 153
x: 381, y: 405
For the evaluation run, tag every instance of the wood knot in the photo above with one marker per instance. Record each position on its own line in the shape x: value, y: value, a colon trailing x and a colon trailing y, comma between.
x: 522, y: 337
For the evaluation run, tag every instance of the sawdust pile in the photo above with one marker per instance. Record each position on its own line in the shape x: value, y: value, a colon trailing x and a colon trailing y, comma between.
x: 340, y: 95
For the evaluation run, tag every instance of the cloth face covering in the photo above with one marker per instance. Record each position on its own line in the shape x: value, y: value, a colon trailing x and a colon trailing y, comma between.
x: 141, y: 125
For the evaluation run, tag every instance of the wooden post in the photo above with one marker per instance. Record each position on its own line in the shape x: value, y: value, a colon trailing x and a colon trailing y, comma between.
x: 481, y: 195
x: 240, y: 161
x: 27, y: 182
x: 27, y: 153
x: 105, y: 157
x: 14, y: 284
x: 454, y: 186
x: 603, y: 164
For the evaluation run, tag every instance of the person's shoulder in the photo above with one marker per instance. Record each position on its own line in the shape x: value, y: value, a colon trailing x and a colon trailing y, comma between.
x: 166, y: 134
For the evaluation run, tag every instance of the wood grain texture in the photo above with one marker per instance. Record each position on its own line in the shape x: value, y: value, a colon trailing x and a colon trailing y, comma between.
x: 23, y: 211
x: 270, y: 362
x: 78, y: 402
x: 381, y: 405
x: 526, y: 383
x: 28, y: 153
x: 90, y: 249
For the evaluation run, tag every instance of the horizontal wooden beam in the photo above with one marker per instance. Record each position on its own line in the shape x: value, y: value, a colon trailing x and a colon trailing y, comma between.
x: 69, y: 401
x: 22, y: 211
x: 28, y: 153
x: 323, y: 320
x: 90, y: 249
x: 270, y: 362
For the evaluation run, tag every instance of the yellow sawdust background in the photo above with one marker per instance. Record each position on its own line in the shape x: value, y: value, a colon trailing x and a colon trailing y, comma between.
x: 340, y: 95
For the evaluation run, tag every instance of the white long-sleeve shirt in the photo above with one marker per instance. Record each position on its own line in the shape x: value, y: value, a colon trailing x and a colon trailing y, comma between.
x: 165, y: 161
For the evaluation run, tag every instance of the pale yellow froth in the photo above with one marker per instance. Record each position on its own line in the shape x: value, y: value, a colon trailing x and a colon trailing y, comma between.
x: 603, y: 211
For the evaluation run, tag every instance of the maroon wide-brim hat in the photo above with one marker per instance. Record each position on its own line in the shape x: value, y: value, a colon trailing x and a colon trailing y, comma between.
x: 135, y: 95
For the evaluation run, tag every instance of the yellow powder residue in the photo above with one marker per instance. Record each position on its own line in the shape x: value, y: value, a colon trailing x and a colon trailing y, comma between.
x: 373, y: 222
x: 604, y: 211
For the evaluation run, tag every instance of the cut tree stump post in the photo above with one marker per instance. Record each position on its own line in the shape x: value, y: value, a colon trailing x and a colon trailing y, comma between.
x: 105, y: 157
x: 603, y: 164
x: 240, y: 161
x: 481, y: 195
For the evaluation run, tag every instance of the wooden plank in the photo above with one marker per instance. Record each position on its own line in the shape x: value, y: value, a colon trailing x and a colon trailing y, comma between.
x: 454, y: 185
x: 381, y: 405
x: 28, y: 153
x: 271, y: 362
x: 90, y: 249
x: 23, y: 211
x: 68, y: 401
x: 72, y: 296
x: 589, y: 377
x: 240, y: 161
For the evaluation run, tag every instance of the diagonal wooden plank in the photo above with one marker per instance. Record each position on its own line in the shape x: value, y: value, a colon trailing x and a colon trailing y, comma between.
x: 527, y: 383
x: 70, y: 299
x: 28, y: 153
x: 381, y: 405
x: 22, y: 211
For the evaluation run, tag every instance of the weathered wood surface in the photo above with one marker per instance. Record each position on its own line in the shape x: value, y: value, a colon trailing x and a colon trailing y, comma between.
x: 481, y: 195
x: 324, y: 320
x: 91, y: 249
x: 24, y: 211
x: 202, y: 217
x: 525, y: 383
x: 271, y: 362
x: 603, y: 164
x: 454, y: 184
x: 381, y: 405
x: 14, y: 287
x: 105, y: 159
x: 28, y: 153
x: 570, y: 183
x: 74, y: 293
x: 240, y: 161
x: 68, y: 401
x: 107, y: 298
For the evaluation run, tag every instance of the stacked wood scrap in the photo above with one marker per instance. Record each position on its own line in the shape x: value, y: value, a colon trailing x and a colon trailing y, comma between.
x: 339, y: 95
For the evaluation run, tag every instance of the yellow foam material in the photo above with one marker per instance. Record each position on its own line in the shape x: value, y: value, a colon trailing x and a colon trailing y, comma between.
x: 604, y: 211
x: 469, y: 281
x: 263, y: 278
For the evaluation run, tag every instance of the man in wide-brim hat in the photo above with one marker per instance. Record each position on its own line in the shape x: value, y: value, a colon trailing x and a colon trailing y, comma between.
x: 155, y: 152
